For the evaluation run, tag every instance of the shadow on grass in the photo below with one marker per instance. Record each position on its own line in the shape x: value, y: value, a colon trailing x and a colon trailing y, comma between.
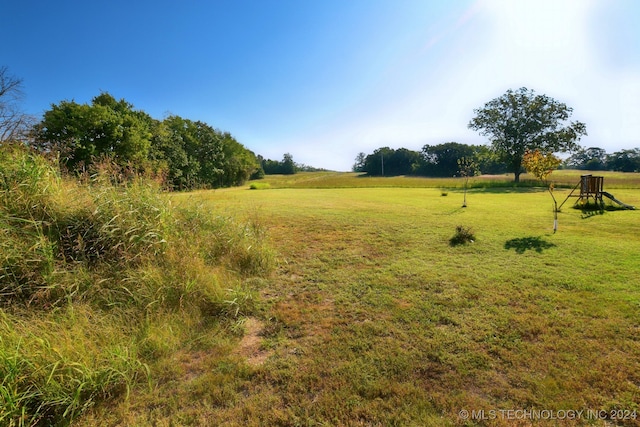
x: 522, y: 244
x: 590, y: 210
x: 588, y: 213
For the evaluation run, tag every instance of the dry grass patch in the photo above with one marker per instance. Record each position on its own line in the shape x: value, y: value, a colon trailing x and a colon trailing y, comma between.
x: 250, y: 346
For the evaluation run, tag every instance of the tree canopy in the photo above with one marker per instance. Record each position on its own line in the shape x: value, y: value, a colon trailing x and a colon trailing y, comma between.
x: 189, y: 154
x: 521, y: 121
x: 82, y: 132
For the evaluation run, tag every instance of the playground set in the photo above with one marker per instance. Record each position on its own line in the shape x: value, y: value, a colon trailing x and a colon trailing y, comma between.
x: 591, y: 187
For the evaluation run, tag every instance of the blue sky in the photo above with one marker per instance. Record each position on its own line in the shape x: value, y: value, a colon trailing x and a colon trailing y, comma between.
x: 327, y: 79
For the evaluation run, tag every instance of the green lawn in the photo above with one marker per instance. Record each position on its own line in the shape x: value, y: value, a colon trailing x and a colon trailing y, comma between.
x: 373, y: 318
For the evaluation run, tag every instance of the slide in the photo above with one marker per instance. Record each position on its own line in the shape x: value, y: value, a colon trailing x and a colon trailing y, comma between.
x: 610, y: 196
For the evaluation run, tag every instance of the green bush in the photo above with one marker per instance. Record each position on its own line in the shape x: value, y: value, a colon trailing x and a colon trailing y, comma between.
x: 462, y: 236
x: 259, y: 186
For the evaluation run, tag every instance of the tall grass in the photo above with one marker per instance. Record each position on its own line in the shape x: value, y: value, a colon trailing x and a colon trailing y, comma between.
x: 91, y: 272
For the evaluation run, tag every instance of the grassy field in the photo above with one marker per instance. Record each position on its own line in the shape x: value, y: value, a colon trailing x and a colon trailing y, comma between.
x: 561, y: 178
x: 373, y: 317
x: 104, y: 287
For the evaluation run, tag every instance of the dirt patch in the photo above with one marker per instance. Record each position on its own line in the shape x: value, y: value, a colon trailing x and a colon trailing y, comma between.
x: 249, y: 346
x: 193, y: 364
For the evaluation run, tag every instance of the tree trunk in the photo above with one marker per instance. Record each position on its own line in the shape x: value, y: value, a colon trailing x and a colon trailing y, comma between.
x: 516, y: 176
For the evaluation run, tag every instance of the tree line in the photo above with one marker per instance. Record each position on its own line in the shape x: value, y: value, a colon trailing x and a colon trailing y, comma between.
x: 441, y: 160
x: 516, y: 123
x: 191, y: 154
x: 597, y: 159
x: 186, y: 154
x: 286, y: 166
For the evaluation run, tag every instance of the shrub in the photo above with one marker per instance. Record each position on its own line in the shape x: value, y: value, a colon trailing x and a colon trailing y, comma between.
x: 259, y: 186
x: 462, y: 236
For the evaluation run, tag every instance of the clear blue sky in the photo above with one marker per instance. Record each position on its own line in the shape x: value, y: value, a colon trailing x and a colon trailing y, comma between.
x: 327, y: 79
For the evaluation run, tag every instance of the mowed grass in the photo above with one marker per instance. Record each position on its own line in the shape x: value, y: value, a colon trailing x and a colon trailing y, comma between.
x: 374, y: 318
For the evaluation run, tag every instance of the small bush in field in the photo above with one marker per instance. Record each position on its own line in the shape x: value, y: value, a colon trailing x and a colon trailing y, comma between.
x: 462, y: 236
x: 259, y: 186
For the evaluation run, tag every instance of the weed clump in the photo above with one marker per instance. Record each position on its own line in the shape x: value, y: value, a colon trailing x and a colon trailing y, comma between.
x: 88, y: 272
x: 463, y: 235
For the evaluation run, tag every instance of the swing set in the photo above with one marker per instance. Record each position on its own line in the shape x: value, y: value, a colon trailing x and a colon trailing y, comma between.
x: 591, y: 187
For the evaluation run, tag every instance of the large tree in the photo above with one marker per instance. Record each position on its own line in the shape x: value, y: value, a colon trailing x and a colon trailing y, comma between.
x: 80, y: 133
x: 521, y: 121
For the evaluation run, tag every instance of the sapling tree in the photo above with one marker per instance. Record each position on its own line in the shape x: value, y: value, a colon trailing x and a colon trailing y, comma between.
x: 541, y: 165
x: 467, y: 168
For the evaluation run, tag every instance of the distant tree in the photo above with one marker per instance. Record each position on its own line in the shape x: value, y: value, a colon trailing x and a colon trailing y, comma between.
x: 442, y: 159
x: 374, y: 164
x: 167, y: 152
x: 270, y: 167
x: 274, y: 167
x: 592, y: 158
x: 359, y: 164
x: 178, y: 145
x: 541, y: 165
x: 288, y: 165
x: 403, y: 162
x: 488, y: 161
x: 389, y: 162
x: 301, y: 167
x: 522, y: 121
x: 239, y: 163
x: 259, y: 173
x: 624, y: 160
x: 14, y: 124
